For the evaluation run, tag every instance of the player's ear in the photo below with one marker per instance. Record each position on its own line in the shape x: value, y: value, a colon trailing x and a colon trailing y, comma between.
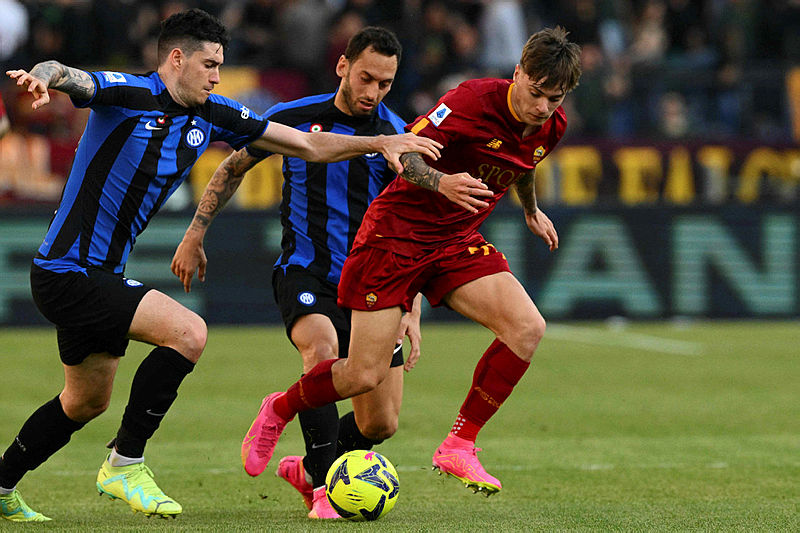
x: 341, y: 66
x: 176, y: 57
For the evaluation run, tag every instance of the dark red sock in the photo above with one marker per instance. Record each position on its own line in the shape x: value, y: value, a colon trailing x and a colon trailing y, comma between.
x: 496, y: 374
x: 314, y: 389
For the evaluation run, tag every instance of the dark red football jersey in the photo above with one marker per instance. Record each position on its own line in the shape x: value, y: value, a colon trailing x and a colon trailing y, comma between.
x: 482, y: 136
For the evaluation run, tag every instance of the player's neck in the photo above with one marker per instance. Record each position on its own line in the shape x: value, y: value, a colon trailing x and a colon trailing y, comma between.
x: 171, y: 83
x: 529, y: 129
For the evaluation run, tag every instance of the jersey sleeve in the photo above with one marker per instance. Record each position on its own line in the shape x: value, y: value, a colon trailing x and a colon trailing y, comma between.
x: 112, y: 88
x: 270, y: 115
x: 234, y: 123
x: 457, y: 113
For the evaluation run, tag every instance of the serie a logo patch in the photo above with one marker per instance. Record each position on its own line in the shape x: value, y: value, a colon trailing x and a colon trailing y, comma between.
x: 439, y: 114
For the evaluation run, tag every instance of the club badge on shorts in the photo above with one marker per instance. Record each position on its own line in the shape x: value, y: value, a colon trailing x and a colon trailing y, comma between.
x: 307, y: 298
x: 371, y: 299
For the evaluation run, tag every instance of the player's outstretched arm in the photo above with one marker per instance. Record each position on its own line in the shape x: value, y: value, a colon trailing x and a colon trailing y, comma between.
x: 52, y: 74
x: 190, y: 257
x: 330, y: 147
x: 537, y: 221
x: 461, y: 188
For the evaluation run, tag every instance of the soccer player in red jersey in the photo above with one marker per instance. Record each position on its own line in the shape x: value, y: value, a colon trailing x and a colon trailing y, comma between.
x: 421, y: 235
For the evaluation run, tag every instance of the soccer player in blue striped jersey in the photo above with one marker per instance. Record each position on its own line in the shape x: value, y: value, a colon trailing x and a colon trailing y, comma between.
x: 321, y: 211
x: 143, y: 135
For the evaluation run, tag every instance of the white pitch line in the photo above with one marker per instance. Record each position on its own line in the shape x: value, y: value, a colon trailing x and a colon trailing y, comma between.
x: 624, y: 339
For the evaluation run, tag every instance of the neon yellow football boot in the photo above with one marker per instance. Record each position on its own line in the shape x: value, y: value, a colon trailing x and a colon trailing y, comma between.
x: 14, y: 508
x: 134, y: 484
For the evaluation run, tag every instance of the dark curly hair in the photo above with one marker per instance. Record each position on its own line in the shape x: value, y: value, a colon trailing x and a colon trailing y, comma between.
x: 188, y: 30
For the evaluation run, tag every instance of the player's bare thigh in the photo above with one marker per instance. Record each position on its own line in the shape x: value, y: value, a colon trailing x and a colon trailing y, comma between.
x: 377, y: 411
x: 88, y: 385
x: 500, y: 303
x: 161, y: 321
x: 315, y: 338
x: 373, y: 336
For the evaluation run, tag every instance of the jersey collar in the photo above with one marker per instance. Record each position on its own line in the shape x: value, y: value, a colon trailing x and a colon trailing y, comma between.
x: 511, y: 107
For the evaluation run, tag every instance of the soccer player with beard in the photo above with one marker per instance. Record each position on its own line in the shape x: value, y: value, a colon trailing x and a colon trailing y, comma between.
x: 321, y: 211
x: 421, y: 235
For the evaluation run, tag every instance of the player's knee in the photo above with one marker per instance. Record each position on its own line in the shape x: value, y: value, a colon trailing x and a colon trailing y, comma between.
x: 367, y: 379
x: 193, y: 338
x: 523, y: 337
x: 84, y: 409
x: 316, y: 353
x: 379, y: 430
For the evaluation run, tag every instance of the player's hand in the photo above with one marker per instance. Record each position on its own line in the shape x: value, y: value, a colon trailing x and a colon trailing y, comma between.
x: 464, y: 190
x: 540, y: 225
x: 190, y: 257
x: 393, y: 146
x: 409, y: 327
x: 36, y: 86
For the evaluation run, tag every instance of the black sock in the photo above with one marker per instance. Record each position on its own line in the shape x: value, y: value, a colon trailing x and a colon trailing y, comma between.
x: 350, y: 437
x: 154, y: 388
x: 320, y: 427
x: 45, y: 432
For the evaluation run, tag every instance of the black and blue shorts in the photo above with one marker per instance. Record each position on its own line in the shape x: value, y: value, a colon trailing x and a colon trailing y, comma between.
x: 299, y: 292
x: 92, y: 311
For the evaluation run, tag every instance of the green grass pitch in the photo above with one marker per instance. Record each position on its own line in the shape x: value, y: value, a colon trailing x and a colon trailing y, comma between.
x: 652, y: 426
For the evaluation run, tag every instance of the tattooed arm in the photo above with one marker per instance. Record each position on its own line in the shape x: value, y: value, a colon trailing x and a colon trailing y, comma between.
x: 537, y: 221
x: 190, y: 256
x: 526, y: 190
x: 52, y: 74
x: 461, y: 189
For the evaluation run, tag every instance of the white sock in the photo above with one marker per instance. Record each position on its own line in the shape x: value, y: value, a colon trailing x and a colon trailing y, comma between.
x: 4, y: 491
x: 116, y: 459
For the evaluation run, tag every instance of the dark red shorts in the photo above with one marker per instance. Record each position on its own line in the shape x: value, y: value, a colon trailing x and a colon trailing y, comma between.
x: 374, y: 278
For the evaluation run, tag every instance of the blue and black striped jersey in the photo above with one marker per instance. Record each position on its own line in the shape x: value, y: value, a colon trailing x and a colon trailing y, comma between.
x: 138, y: 146
x: 323, y: 203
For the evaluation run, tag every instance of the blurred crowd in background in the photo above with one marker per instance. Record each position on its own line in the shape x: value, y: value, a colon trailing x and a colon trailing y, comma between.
x: 652, y: 69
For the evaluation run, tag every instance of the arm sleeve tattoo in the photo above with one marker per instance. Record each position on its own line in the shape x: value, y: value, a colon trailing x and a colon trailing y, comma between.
x: 223, y: 184
x: 68, y: 80
x: 416, y: 171
x: 526, y: 190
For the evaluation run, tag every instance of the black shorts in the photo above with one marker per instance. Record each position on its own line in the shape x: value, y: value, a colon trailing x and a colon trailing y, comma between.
x: 298, y: 292
x: 92, y: 312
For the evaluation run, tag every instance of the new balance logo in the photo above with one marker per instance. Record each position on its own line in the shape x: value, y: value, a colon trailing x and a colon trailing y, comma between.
x: 494, y: 144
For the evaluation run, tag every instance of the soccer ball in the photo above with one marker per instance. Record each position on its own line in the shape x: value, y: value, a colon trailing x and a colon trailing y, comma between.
x: 362, y: 485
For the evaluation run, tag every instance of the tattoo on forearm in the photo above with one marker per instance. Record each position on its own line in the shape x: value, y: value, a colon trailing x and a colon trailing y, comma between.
x: 68, y: 80
x: 416, y: 171
x: 223, y: 184
x: 526, y: 190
